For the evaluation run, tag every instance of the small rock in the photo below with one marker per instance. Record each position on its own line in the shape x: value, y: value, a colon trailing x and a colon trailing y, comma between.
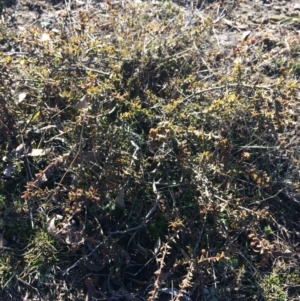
x: 277, y: 8
x: 3, y: 241
x: 246, y: 35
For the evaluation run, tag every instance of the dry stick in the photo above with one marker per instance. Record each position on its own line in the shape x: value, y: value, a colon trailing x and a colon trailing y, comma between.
x: 85, y: 257
x: 7, y: 282
x: 146, y: 219
x: 198, y: 241
x: 28, y: 285
x: 77, y: 154
x: 84, y: 68
x: 159, y: 272
x: 73, y: 161
x: 31, y: 178
x: 223, y: 15
x: 212, y: 265
x: 247, y: 209
x: 250, y: 264
x: 226, y: 86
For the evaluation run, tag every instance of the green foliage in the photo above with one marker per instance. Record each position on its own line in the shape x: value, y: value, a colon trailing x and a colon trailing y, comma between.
x: 2, y: 202
x: 273, y: 284
x: 6, y: 270
x: 40, y: 254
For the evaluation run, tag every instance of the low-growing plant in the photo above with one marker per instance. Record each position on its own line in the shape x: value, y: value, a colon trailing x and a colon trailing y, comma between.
x: 139, y: 155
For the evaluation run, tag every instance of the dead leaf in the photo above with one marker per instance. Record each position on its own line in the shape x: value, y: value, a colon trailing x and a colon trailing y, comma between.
x: 67, y: 233
x: 154, y: 187
x: 21, y: 97
x: 36, y: 152
x: 89, y: 283
x: 52, y: 228
x: 235, y: 24
x: 79, y: 3
x: 120, y: 198
x: 173, y: 292
x: 185, y: 255
x: 82, y: 103
x: 3, y: 241
x: 19, y: 151
x: 71, y: 235
x: 157, y: 246
x: 245, y: 35
x: 43, y: 129
x: 3, y: 125
x: 90, y: 156
x: 136, y: 149
x: 286, y: 254
x: 45, y: 175
x: 8, y: 169
x: 45, y: 37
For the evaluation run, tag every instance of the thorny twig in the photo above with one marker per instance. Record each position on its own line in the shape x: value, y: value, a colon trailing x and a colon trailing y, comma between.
x: 145, y: 221
x: 143, y: 224
x: 232, y: 85
x: 161, y: 261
